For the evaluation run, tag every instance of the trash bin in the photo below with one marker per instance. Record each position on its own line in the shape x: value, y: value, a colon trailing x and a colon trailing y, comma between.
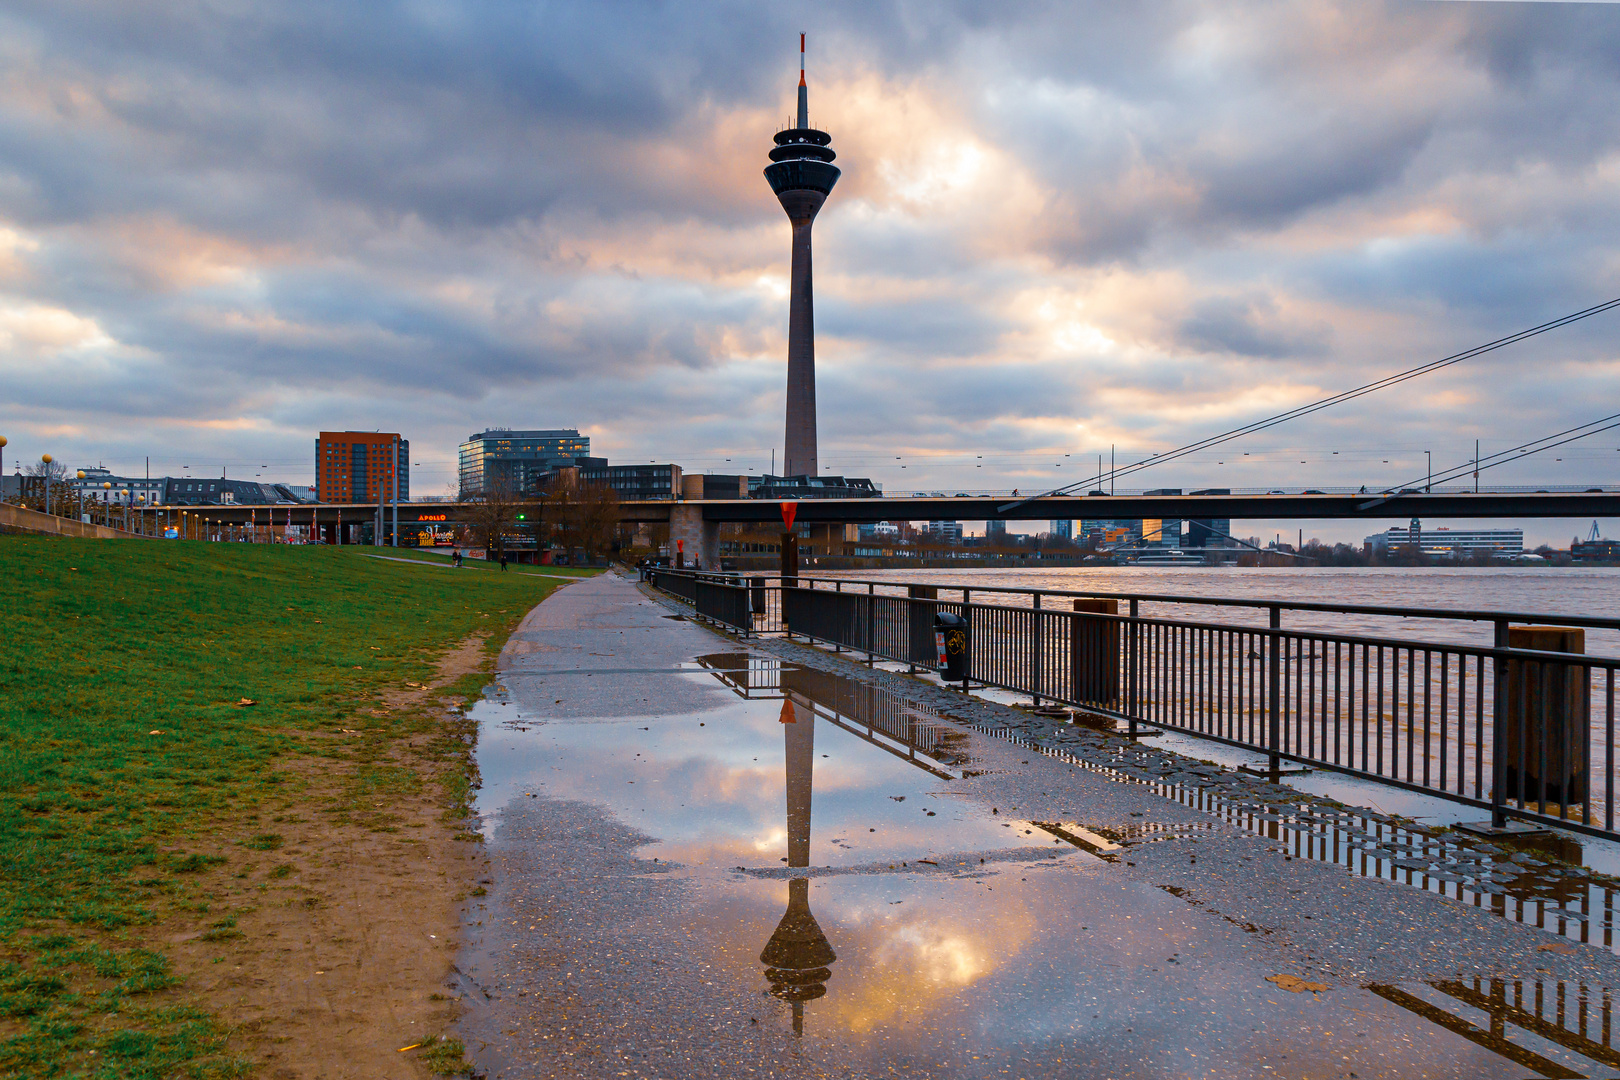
x: 951, y: 646
x: 1094, y: 653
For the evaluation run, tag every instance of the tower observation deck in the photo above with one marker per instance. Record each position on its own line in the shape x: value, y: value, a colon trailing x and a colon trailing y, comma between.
x: 802, y: 174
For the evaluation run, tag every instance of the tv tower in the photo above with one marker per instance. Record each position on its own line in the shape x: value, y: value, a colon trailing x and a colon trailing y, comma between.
x: 802, y: 174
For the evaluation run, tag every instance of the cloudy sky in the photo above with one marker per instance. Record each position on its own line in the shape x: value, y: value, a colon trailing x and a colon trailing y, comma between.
x: 228, y: 224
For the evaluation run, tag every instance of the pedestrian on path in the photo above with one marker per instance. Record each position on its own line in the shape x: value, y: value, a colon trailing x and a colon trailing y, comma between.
x: 455, y: 558
x: 503, y: 562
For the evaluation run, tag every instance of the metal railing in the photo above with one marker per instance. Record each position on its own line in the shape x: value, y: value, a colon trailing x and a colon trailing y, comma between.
x: 715, y: 597
x: 1526, y: 733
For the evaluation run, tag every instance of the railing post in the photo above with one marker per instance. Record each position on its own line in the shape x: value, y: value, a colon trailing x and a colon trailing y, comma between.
x: 871, y: 623
x: 1499, y: 709
x: 1036, y: 638
x: 1132, y: 698
x: 1274, y: 695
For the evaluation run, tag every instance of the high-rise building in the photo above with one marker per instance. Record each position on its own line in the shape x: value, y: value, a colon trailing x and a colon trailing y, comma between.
x: 1166, y: 531
x: 361, y: 466
x: 1210, y: 532
x: 514, y: 458
x: 802, y: 175
x: 949, y: 532
x: 1063, y: 529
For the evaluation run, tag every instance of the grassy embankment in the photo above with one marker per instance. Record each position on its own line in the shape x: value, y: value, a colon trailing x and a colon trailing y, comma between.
x: 136, y: 784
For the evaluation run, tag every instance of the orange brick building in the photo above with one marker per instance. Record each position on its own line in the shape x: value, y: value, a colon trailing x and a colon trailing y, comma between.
x: 359, y: 466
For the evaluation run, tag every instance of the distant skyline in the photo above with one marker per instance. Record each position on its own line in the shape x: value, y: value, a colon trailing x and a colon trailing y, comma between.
x: 1060, y: 227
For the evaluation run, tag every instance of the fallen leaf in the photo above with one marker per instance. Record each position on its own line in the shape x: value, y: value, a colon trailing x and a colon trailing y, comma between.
x: 246, y: 702
x: 154, y: 732
x: 1558, y: 947
x: 413, y: 1046
x: 1294, y: 984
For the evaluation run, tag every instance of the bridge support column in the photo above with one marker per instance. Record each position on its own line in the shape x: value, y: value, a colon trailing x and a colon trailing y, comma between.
x: 700, y: 540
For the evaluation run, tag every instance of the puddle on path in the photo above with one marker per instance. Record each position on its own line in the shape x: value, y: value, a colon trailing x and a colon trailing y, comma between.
x: 835, y: 893
x: 1538, y: 882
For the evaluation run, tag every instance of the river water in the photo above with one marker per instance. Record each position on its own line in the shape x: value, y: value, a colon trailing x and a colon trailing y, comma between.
x: 1541, y: 591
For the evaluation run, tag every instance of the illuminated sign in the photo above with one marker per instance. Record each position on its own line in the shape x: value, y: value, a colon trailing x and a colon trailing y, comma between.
x: 430, y: 517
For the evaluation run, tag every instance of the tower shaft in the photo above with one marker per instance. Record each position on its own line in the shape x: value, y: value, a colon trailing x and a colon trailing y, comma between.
x: 799, y: 442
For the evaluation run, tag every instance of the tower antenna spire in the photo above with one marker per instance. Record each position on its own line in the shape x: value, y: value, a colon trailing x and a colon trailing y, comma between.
x: 804, y: 94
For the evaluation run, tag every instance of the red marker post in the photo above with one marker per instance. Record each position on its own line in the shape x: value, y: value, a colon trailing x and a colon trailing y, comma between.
x: 790, y: 546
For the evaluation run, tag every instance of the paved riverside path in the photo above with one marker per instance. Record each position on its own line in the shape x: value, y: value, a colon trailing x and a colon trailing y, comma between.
x: 687, y: 882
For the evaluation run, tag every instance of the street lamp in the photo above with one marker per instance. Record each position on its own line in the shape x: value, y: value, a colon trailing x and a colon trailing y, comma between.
x: 46, y: 459
x: 3, y: 469
x: 106, y: 503
x: 1427, y: 483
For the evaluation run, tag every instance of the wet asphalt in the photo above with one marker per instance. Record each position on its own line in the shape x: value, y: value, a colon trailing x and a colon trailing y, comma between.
x: 721, y: 858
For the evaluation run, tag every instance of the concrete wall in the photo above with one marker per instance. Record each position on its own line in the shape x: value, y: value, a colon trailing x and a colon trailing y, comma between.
x: 21, y: 519
x: 700, y: 540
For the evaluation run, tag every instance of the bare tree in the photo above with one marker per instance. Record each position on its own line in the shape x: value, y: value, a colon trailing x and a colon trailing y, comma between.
x: 492, y: 515
x: 64, y: 498
x: 585, y: 516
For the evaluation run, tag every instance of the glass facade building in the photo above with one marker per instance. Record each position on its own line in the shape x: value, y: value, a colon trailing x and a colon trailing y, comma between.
x: 517, y: 457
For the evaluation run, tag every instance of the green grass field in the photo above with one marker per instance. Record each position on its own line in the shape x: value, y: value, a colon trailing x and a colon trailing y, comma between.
x: 123, y: 747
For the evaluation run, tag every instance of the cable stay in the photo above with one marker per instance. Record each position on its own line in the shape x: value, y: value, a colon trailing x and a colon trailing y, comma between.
x: 1327, y: 402
x: 1516, y: 453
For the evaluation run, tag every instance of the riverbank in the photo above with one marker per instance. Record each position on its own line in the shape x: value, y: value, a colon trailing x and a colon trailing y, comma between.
x: 233, y: 787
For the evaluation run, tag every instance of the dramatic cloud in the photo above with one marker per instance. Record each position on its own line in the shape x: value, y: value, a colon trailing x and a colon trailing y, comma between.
x: 1061, y: 228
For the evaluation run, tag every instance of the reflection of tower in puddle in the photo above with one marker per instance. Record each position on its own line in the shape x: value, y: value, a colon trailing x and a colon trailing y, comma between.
x: 797, y: 955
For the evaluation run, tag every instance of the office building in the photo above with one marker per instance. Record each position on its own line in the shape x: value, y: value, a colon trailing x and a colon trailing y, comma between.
x: 1595, y: 550
x: 945, y: 532
x: 636, y: 483
x: 515, y: 458
x: 1447, y: 542
x: 1210, y: 532
x: 362, y: 467
x: 802, y: 175
x: 995, y: 531
x: 727, y: 485
x: 1109, y: 532
x: 1062, y: 529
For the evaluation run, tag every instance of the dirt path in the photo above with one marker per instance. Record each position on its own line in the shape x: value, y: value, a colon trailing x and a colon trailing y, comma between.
x: 329, y: 950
